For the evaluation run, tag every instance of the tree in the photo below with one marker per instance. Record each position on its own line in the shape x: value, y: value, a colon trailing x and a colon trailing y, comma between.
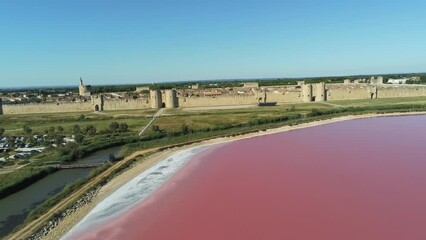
x: 123, y: 127
x: 60, y: 129
x: 90, y: 130
x: 51, y: 129
x: 27, y: 130
x: 1, y: 131
x: 155, y: 128
x: 184, y: 129
x: 79, y: 138
x: 114, y: 126
x: 76, y: 129
x: 58, y: 139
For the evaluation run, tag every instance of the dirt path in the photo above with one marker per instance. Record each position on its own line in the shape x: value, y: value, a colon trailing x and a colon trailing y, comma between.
x: 156, y: 115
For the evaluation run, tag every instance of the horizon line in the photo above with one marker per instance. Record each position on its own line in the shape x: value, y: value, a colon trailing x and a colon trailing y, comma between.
x: 211, y: 80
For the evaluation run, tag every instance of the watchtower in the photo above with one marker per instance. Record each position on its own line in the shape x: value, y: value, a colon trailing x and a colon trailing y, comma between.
x: 306, y: 92
x: 320, y: 92
x: 156, y: 99
x: 171, y: 99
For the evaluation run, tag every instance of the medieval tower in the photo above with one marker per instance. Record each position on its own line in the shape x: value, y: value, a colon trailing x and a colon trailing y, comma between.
x: 156, y: 99
x: 306, y: 92
x: 84, y: 91
x: 171, y: 99
x: 320, y: 92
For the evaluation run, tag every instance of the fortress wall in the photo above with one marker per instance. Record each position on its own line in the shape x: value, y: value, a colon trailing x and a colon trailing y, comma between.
x: 289, y: 97
x: 400, y: 91
x: 110, y: 105
x: 46, y: 108
x: 216, y: 101
x: 238, y: 99
x: 348, y: 92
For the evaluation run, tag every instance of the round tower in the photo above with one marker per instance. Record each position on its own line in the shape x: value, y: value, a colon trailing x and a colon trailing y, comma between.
x: 306, y: 92
x: 156, y: 98
x: 171, y: 98
x: 320, y: 92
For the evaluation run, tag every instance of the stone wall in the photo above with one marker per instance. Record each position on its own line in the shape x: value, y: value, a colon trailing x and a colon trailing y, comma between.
x: 285, y: 97
x: 110, y: 105
x: 216, y: 101
x: 386, y: 91
x: 288, y: 94
x: 46, y: 108
x: 349, y: 91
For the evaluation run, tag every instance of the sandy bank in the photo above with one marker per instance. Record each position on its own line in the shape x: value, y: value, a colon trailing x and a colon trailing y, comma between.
x: 64, y: 226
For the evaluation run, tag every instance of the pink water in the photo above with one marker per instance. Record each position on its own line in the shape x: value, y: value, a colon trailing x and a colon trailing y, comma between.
x: 362, y: 179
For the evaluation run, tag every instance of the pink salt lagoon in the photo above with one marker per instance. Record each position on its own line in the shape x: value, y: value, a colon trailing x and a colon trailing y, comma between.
x: 361, y: 179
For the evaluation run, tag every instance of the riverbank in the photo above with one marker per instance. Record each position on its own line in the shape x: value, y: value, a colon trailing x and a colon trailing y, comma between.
x: 69, y: 221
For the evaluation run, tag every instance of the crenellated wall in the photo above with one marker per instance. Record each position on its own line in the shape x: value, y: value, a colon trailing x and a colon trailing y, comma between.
x: 389, y: 91
x: 97, y: 104
x: 350, y: 91
x: 110, y: 105
x: 46, y: 108
x: 216, y: 101
x: 281, y: 94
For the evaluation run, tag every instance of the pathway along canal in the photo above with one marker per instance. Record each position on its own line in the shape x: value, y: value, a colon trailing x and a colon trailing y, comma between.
x: 16, y: 207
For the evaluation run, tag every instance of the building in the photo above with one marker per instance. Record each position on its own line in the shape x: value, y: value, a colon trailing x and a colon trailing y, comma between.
x: 141, y: 89
x: 84, y: 91
x: 375, y: 81
x: 251, y: 85
x: 397, y: 81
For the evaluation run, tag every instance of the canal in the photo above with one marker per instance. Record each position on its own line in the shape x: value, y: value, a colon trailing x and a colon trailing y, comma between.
x: 16, y: 207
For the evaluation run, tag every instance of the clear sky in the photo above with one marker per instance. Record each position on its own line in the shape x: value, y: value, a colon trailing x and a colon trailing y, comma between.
x: 115, y: 42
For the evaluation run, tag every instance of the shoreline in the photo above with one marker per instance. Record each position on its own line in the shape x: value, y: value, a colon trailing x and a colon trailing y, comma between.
x: 64, y: 226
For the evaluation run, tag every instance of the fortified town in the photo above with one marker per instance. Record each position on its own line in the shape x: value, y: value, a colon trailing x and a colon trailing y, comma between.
x: 250, y: 93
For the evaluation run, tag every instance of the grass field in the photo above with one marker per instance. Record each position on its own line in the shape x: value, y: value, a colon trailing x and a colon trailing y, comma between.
x: 173, y: 119
x: 13, y: 124
x: 380, y: 102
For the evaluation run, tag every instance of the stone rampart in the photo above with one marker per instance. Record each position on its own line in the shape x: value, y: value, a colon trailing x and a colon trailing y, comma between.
x: 110, y: 105
x: 216, y: 101
x: 389, y: 91
x: 348, y: 91
x: 46, y: 108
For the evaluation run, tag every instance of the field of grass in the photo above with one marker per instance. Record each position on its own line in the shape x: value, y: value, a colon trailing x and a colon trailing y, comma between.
x: 13, y: 124
x: 173, y: 119
x: 380, y: 102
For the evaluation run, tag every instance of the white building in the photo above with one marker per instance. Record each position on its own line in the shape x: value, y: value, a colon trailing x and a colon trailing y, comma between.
x: 397, y: 81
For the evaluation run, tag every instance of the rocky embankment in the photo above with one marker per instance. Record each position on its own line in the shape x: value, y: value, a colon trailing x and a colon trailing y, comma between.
x: 43, y: 231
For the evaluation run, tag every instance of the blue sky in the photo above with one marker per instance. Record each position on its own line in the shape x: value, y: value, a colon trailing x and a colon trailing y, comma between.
x: 116, y: 42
